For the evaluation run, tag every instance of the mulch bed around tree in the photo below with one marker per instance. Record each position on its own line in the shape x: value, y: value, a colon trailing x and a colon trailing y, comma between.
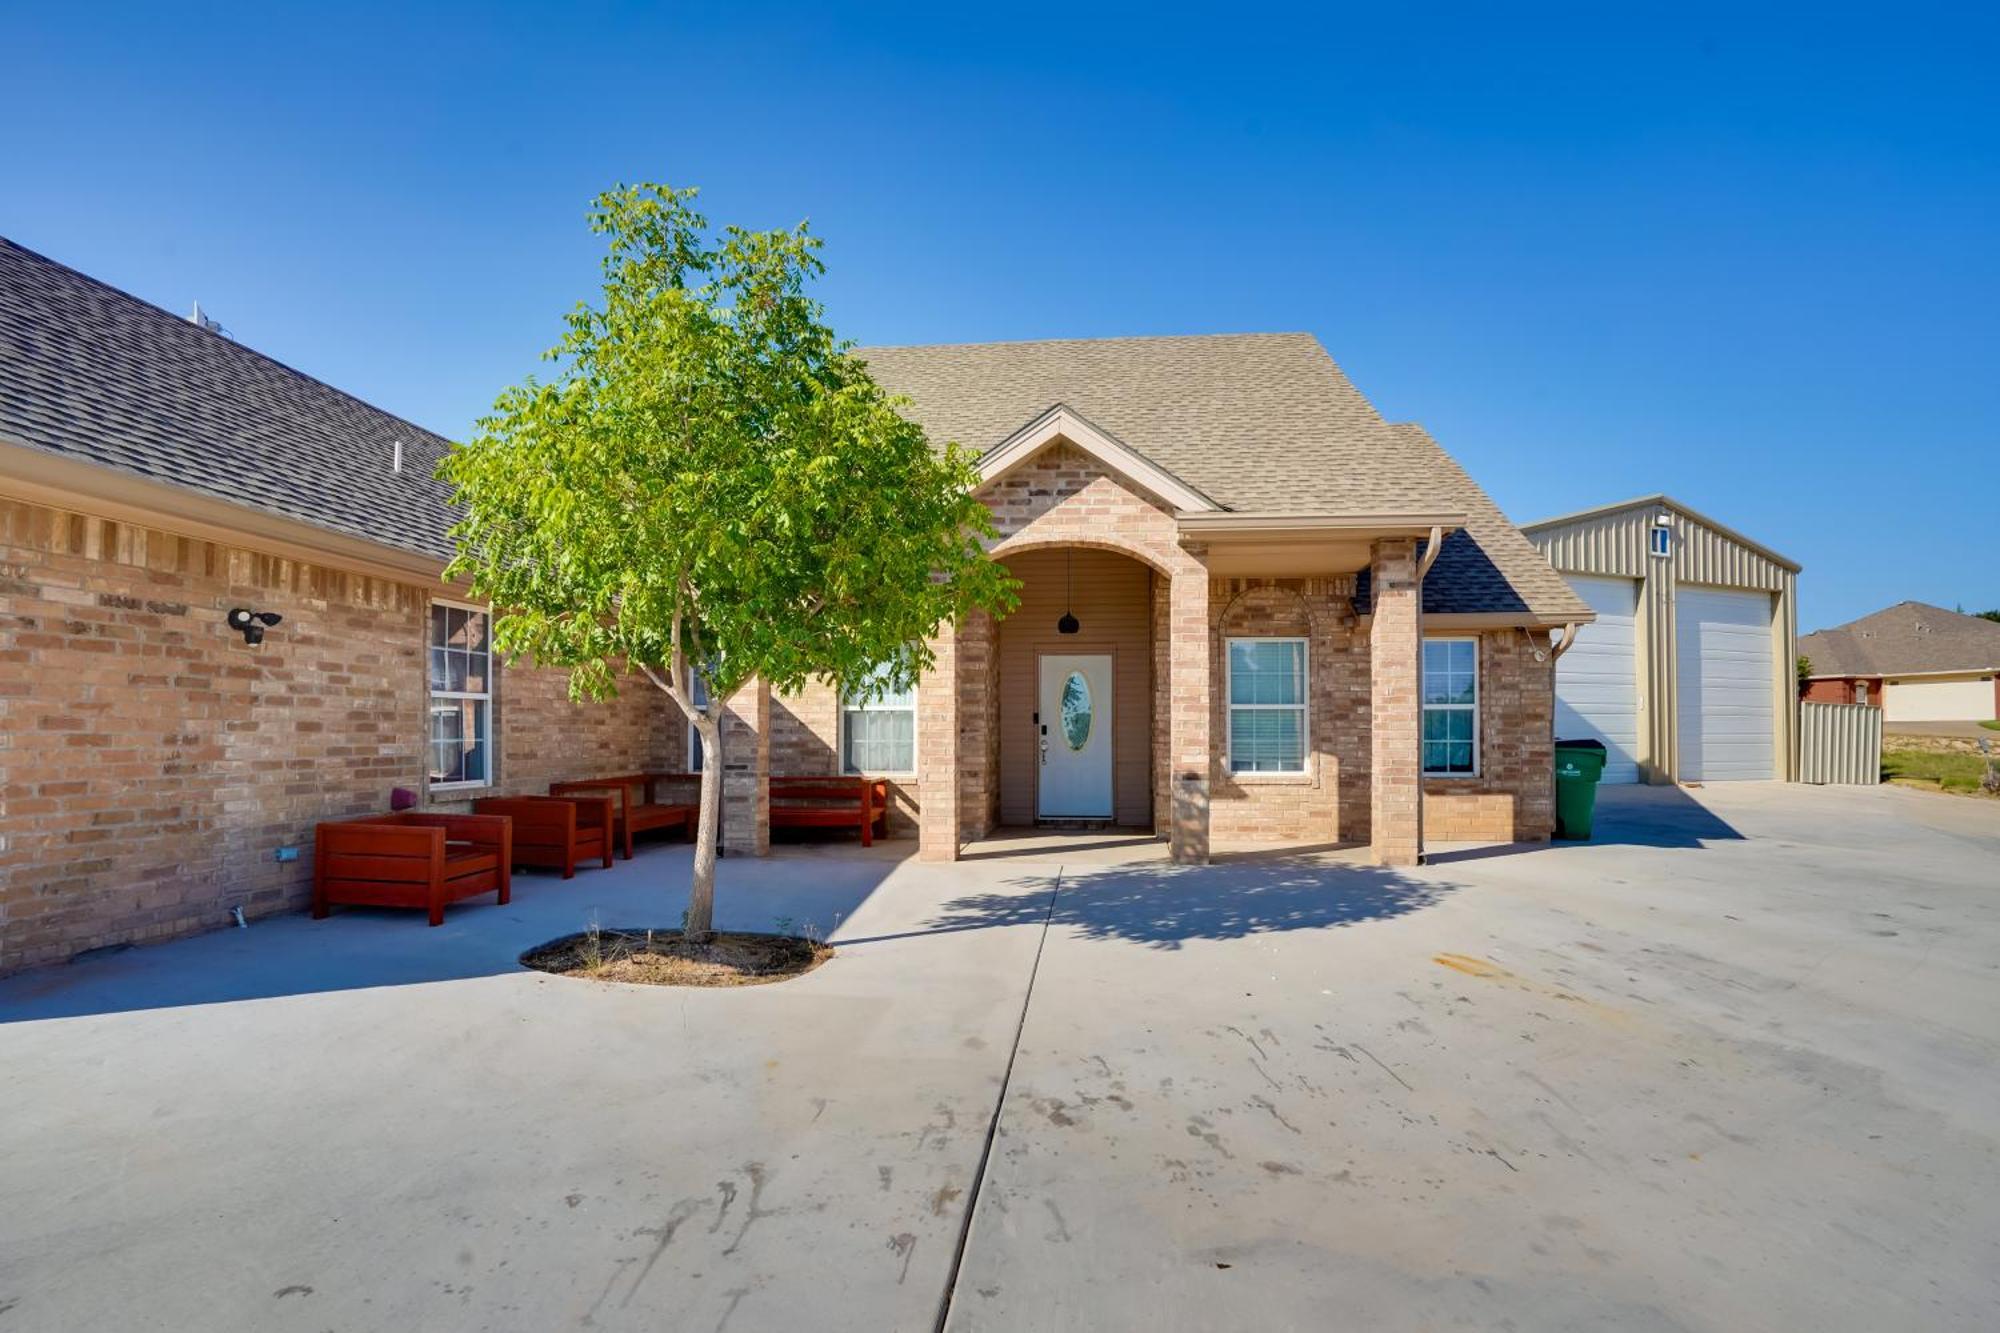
x: 666, y: 958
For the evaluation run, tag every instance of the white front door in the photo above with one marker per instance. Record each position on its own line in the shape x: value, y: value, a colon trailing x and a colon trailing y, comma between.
x: 1073, y: 726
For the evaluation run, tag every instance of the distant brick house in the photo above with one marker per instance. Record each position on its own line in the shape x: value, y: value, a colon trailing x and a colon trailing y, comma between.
x: 1917, y: 663
x: 1294, y: 622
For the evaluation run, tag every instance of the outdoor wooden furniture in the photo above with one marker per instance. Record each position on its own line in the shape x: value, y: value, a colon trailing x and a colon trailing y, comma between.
x: 411, y: 859
x: 636, y: 806
x: 556, y: 832
x: 832, y: 802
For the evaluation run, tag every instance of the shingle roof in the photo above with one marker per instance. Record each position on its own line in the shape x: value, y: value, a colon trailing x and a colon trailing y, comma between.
x: 1909, y: 637
x: 93, y: 373
x: 1262, y: 422
x: 1259, y: 422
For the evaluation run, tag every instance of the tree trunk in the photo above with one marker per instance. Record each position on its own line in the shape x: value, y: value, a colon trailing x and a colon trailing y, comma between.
x: 701, y: 894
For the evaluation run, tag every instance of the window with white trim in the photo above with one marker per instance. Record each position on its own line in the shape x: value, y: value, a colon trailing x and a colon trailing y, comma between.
x: 878, y: 727
x: 1451, y: 707
x: 1266, y: 689
x: 461, y: 696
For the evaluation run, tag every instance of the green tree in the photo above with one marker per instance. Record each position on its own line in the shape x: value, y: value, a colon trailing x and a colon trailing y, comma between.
x: 1804, y: 666
x: 711, y: 484
x: 1988, y: 615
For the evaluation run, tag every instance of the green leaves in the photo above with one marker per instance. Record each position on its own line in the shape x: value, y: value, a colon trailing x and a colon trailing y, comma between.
x: 710, y: 471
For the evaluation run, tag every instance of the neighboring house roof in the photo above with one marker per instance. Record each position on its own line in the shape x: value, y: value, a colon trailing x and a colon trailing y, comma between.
x: 1261, y: 423
x: 1909, y: 638
x: 92, y: 373
x: 1665, y: 502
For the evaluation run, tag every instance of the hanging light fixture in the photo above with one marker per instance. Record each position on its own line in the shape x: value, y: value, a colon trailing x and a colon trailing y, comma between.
x: 1069, y: 624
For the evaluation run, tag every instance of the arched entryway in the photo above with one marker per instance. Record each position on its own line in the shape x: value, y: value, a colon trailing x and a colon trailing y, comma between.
x: 1078, y: 718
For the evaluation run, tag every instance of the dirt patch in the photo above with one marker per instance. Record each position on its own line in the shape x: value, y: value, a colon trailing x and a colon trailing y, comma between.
x: 667, y: 958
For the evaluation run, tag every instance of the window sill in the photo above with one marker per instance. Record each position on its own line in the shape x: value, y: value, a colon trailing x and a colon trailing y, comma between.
x: 455, y: 790
x: 1451, y: 777
x: 1266, y: 778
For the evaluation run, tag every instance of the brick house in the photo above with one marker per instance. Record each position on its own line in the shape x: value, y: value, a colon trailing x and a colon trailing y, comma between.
x: 1292, y: 622
x: 1916, y: 662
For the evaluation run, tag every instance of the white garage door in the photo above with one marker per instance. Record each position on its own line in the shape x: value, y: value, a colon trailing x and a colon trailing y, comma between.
x: 1597, y: 681
x: 1961, y: 699
x: 1726, y: 685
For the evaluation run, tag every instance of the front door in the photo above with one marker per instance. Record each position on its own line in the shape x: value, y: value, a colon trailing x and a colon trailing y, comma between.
x: 1074, y: 740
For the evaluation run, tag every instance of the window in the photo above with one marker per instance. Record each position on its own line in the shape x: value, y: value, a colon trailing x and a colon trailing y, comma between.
x: 698, y: 694
x: 1451, y: 707
x: 461, y: 686
x: 1267, y: 705
x: 878, y: 728
x: 1663, y: 540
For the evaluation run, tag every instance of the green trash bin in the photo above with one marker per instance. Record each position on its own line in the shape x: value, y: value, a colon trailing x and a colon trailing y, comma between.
x: 1579, y: 764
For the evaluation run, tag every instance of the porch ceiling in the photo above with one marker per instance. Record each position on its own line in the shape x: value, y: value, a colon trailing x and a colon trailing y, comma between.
x: 1237, y: 545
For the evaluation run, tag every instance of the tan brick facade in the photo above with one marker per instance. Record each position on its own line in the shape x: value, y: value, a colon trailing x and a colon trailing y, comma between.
x: 1395, y: 806
x: 152, y: 763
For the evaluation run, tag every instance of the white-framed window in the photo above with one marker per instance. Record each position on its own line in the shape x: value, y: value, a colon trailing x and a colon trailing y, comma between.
x: 1451, y: 708
x: 698, y: 693
x: 1663, y: 540
x: 460, y: 664
x: 1266, y: 689
x: 878, y: 728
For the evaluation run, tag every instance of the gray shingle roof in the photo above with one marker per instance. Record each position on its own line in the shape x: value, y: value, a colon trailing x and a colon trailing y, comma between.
x: 90, y: 372
x: 1909, y: 637
x: 1262, y: 422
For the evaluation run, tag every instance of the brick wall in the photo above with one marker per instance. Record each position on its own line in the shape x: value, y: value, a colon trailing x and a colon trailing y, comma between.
x: 1513, y: 798
x: 805, y: 743
x: 152, y: 763
x: 1330, y: 800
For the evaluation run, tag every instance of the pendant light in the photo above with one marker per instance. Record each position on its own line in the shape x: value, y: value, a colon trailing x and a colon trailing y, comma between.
x: 1069, y: 623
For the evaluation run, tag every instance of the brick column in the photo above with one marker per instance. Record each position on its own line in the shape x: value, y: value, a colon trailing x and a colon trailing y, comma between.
x: 1395, y: 646
x: 746, y: 770
x: 978, y: 726
x: 937, y: 751
x: 1187, y: 715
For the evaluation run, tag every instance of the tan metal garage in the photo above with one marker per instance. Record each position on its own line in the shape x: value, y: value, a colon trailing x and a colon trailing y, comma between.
x: 1691, y: 677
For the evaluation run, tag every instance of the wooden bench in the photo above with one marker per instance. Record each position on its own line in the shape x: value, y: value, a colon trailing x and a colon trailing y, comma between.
x: 636, y: 807
x: 556, y: 832
x: 411, y: 859
x: 832, y: 802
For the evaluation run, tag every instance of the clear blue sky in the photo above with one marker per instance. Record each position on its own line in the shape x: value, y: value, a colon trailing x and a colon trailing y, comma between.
x: 1753, y: 262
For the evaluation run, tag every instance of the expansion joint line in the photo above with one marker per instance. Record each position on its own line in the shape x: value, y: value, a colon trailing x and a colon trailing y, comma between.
x: 999, y: 1105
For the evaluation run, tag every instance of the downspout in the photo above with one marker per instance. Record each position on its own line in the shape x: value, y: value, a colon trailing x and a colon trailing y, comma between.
x: 1431, y: 549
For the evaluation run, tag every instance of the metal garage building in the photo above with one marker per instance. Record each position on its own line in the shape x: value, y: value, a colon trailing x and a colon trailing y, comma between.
x: 1689, y: 673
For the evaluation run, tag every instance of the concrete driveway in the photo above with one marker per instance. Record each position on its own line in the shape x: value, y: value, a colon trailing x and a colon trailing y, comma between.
x: 1732, y: 1066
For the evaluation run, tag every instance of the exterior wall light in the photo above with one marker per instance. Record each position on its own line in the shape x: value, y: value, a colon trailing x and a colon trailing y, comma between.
x: 251, y: 624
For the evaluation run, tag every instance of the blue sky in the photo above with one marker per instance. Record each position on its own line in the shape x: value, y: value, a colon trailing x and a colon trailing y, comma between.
x: 1748, y: 261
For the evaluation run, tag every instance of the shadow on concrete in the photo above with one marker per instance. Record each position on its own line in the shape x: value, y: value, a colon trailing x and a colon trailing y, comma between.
x: 357, y: 948
x: 1643, y: 816
x: 1164, y: 906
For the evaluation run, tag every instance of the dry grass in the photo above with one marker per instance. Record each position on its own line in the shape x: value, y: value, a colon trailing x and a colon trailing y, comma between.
x: 666, y: 958
x: 1956, y: 772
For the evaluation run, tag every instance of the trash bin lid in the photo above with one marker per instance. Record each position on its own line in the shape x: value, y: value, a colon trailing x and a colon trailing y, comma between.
x: 1588, y: 744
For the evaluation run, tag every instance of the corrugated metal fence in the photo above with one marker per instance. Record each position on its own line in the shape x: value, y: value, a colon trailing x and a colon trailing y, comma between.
x: 1840, y: 743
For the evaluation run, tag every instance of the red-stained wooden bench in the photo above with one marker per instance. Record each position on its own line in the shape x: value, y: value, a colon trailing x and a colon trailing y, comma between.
x: 556, y: 832
x: 832, y: 802
x: 411, y: 859
x: 636, y: 805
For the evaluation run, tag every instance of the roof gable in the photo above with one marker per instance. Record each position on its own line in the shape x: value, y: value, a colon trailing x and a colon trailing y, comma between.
x: 1540, y: 527
x: 1062, y: 423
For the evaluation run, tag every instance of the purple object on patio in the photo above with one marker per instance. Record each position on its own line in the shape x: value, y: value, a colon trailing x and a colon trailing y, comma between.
x: 401, y: 798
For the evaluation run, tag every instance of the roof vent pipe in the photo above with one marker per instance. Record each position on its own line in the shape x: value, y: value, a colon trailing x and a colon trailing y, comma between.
x: 200, y: 320
x: 396, y: 457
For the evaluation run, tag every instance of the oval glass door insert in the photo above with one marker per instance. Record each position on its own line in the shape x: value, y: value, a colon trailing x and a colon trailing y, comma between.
x: 1076, y: 711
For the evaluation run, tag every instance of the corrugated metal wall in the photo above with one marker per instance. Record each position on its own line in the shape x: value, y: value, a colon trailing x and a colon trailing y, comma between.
x: 1840, y: 743
x: 1615, y: 544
